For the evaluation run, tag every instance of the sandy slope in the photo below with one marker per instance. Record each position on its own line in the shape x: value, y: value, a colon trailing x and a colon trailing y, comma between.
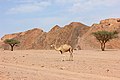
x: 47, y: 65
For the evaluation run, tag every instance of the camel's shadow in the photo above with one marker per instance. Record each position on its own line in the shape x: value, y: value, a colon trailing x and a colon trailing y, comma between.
x: 67, y: 60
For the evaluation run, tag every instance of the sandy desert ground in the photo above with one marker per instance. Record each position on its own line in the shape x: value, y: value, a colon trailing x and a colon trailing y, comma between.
x: 47, y: 65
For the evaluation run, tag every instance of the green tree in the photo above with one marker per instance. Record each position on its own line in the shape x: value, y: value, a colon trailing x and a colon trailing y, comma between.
x: 11, y: 42
x: 104, y: 36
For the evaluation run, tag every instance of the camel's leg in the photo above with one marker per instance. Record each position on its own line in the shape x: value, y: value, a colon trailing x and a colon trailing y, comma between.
x: 71, y: 57
x: 63, y: 57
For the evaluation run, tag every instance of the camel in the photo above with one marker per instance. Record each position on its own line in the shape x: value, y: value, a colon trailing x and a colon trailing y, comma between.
x: 65, y: 48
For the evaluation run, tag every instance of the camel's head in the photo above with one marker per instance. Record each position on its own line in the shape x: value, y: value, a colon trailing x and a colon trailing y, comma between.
x: 52, y: 45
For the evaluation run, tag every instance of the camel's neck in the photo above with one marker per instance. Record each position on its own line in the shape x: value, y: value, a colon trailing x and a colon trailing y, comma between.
x: 57, y: 49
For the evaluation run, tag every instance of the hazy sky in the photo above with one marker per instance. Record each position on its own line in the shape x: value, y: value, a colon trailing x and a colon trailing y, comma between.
x: 21, y: 15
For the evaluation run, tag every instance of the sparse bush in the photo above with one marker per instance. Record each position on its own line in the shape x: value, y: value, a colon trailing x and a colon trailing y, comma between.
x: 11, y: 42
x: 104, y: 36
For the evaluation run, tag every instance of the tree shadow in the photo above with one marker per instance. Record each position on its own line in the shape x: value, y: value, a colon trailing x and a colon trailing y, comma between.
x: 107, y: 50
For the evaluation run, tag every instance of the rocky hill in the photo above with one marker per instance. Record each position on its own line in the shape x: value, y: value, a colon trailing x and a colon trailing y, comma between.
x: 1, y: 43
x: 88, y: 41
x: 76, y: 34
x: 38, y: 39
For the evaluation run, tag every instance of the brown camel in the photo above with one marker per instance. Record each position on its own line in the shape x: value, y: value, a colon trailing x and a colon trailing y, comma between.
x: 65, y: 48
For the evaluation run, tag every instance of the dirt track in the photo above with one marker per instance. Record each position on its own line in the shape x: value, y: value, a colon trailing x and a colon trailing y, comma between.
x: 47, y: 65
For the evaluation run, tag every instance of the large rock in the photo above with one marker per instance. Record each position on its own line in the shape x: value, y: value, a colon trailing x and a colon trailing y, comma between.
x: 88, y: 41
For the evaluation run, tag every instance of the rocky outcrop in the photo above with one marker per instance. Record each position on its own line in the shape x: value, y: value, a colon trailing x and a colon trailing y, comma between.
x: 88, y: 41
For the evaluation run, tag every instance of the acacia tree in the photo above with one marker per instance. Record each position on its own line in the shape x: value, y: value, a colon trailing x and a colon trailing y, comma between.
x: 104, y: 36
x: 11, y: 42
